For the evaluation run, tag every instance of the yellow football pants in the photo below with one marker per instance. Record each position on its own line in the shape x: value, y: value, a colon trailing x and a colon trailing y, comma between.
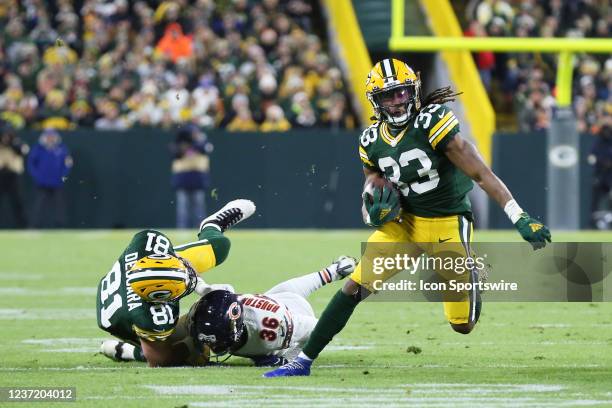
x: 442, y: 236
x: 200, y: 254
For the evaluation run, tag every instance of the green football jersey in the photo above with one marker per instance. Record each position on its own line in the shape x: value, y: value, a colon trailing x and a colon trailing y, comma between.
x: 414, y: 160
x: 120, y: 311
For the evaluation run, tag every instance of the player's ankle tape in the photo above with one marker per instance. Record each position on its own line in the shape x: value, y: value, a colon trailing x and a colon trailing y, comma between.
x: 513, y: 211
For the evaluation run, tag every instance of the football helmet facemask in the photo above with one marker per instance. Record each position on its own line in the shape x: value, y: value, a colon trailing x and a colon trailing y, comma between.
x: 394, y: 91
x: 217, y: 321
x: 162, y: 278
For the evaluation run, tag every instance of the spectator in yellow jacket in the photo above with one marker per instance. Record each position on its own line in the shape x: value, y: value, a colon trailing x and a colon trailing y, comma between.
x: 242, y: 122
x: 275, y: 120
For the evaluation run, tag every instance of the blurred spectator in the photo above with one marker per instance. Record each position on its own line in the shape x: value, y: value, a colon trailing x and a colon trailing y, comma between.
x: 164, y: 63
x: 55, y: 112
x: 303, y: 115
x: 243, y: 121
x: 191, y: 175
x: 485, y: 60
x: 174, y: 43
x: 12, y: 152
x: 49, y: 164
x: 111, y: 119
x: 527, y: 79
x: 336, y: 117
x: 275, y: 120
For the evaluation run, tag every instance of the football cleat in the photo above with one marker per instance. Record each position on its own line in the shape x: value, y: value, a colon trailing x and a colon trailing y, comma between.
x: 228, y: 216
x: 114, y: 349
x: 295, y: 368
x: 342, y: 267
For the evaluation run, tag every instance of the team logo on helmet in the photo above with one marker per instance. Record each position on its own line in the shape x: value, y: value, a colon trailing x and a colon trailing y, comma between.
x: 207, y: 338
x: 160, y: 295
x: 161, y: 278
x: 234, y: 311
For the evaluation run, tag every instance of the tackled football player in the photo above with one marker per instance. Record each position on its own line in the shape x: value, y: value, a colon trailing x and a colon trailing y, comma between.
x: 415, y: 144
x: 269, y: 328
x: 138, y: 300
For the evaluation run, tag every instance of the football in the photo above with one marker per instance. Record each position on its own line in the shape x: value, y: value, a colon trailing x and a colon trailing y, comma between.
x: 375, y: 181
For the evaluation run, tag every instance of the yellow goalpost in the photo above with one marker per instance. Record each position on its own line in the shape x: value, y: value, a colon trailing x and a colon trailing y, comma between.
x: 566, y: 47
x: 455, y: 48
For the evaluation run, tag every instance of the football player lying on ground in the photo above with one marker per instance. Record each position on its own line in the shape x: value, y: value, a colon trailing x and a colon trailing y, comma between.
x: 415, y: 145
x: 271, y: 328
x: 138, y: 300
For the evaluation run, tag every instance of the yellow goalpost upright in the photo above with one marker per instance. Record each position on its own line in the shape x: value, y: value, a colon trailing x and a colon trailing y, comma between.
x: 448, y: 38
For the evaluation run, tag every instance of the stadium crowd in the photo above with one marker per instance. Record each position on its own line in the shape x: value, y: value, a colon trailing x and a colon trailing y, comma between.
x: 526, y: 81
x: 116, y: 64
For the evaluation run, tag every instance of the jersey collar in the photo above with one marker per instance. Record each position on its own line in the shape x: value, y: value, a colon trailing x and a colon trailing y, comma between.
x: 388, y: 138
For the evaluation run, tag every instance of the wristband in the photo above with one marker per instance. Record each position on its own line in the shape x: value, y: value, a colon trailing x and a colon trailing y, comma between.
x: 513, y: 211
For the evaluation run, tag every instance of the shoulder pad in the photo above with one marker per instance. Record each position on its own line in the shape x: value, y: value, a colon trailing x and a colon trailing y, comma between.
x: 369, y: 135
x: 437, y: 122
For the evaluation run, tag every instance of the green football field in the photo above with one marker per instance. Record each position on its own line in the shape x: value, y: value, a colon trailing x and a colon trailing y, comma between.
x: 391, y: 354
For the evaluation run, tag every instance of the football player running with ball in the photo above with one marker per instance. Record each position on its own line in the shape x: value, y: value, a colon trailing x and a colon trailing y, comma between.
x: 138, y: 300
x: 415, y: 144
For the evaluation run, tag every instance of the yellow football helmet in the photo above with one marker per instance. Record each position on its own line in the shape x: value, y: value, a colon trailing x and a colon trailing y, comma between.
x: 162, y: 278
x: 394, y: 91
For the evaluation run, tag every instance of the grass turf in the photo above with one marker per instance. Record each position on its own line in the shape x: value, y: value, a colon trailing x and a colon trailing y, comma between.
x: 521, y: 354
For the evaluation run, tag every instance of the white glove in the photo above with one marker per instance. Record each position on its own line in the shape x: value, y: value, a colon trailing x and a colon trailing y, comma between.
x: 203, y: 288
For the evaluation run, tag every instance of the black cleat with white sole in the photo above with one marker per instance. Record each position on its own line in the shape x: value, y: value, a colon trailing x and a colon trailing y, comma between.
x: 231, y: 214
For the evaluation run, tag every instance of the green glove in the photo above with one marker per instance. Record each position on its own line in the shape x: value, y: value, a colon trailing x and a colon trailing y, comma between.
x: 384, y: 206
x: 533, y: 231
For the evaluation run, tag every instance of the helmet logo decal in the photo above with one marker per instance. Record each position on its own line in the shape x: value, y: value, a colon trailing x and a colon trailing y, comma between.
x: 160, y: 294
x: 234, y: 311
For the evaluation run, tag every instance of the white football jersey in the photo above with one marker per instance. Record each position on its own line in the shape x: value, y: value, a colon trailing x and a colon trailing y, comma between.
x: 269, y: 325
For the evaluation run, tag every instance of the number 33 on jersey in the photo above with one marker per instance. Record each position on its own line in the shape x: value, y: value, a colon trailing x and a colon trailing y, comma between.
x: 415, y: 162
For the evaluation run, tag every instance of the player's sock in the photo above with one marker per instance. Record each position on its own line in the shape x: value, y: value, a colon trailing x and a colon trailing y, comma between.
x: 124, y: 351
x: 304, y: 356
x: 305, y: 285
x: 332, y: 321
x: 220, y: 243
x: 138, y: 356
x: 121, y: 351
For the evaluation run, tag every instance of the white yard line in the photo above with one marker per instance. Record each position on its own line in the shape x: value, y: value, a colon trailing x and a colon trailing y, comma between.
x: 20, y: 291
x: 347, y: 348
x: 65, y: 341
x: 20, y: 276
x: 48, y: 314
x: 395, y: 402
x: 72, y: 350
x: 420, y: 394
